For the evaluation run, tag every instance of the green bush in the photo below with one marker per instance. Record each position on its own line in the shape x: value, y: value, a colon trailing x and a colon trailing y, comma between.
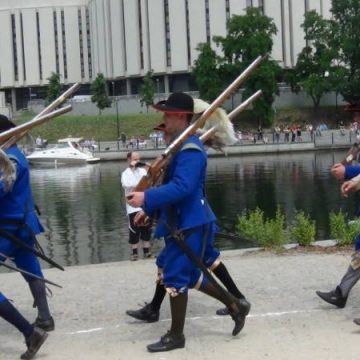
x: 303, y: 229
x: 251, y: 224
x: 270, y: 233
x: 343, y: 232
x: 274, y: 234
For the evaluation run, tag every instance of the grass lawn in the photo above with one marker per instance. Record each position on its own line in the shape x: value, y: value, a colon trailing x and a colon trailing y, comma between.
x: 102, y: 127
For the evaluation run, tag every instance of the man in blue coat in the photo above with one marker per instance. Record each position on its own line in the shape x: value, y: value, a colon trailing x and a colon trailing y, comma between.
x: 183, y: 209
x: 18, y: 217
x: 339, y: 295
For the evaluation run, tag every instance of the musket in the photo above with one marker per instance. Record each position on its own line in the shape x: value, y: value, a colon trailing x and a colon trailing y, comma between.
x: 22, y: 131
x: 7, y: 137
x: 157, y: 167
x: 24, y: 272
x: 17, y: 242
x: 211, y: 132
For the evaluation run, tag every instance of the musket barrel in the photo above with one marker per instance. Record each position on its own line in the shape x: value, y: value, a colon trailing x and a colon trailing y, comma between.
x: 59, y: 100
x: 24, y: 128
x: 217, y: 103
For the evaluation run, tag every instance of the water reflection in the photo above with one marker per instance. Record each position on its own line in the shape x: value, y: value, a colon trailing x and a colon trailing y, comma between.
x: 83, y: 208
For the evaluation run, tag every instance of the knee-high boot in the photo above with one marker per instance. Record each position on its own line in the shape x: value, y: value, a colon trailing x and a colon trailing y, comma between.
x: 44, y: 319
x: 236, y: 309
x: 174, y: 339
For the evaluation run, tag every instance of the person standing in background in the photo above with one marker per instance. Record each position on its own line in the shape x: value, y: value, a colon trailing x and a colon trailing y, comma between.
x: 129, y: 179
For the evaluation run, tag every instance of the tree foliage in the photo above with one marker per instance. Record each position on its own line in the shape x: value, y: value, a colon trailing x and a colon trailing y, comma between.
x: 249, y: 36
x: 314, y: 71
x: 99, y: 93
x: 54, y: 88
x: 346, y: 20
x: 147, y: 90
x: 206, y: 73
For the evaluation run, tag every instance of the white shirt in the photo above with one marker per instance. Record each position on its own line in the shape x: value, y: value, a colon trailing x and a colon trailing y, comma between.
x: 129, y: 179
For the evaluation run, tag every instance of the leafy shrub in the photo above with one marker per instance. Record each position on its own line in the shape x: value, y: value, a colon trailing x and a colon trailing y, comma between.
x: 251, y: 224
x: 343, y: 232
x: 270, y: 233
x: 274, y: 234
x: 303, y: 229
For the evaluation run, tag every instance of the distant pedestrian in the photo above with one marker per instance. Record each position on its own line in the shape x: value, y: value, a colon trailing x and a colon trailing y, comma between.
x: 123, y: 139
x: 129, y: 179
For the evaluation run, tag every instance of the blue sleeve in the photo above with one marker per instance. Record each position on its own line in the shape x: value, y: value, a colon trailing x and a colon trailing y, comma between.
x: 351, y: 171
x: 185, y: 179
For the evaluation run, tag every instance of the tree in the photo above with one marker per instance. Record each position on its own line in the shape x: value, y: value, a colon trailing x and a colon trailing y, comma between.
x: 249, y: 36
x: 54, y: 88
x: 99, y: 94
x: 346, y: 30
x: 147, y: 90
x: 206, y: 73
x: 314, y: 71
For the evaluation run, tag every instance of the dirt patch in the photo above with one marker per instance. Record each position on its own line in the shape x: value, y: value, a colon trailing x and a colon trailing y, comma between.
x: 311, y: 249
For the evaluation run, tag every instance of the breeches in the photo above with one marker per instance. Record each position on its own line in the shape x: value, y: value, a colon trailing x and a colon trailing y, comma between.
x: 179, y: 272
x: 22, y: 258
x: 2, y: 297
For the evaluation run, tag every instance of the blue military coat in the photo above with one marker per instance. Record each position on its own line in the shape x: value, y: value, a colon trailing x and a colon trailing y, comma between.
x: 181, y: 199
x: 17, y: 204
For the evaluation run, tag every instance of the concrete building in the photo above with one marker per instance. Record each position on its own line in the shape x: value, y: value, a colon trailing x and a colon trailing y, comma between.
x: 124, y: 39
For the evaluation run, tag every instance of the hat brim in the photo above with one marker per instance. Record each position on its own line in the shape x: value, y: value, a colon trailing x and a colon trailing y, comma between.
x: 163, y: 107
x: 160, y: 127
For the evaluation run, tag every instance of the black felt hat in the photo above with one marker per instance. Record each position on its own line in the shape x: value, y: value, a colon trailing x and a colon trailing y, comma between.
x: 5, y: 123
x: 177, y: 102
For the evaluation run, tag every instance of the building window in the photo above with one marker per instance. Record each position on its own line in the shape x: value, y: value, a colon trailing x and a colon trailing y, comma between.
x: 15, y: 55
x: 261, y: 6
x: 141, y: 36
x: 22, y: 45
x: 207, y: 20
x: 283, y: 39
x: 39, y: 44
x: 227, y: 9
x: 124, y: 37
x: 188, y: 31
x: 56, y: 42
x: 167, y: 33
x: 88, y: 40
x: 249, y: 3
x: 81, y: 44
x: 64, y: 43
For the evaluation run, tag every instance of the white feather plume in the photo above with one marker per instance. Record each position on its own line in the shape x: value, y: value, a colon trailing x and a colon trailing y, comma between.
x: 225, y: 134
x: 7, y: 171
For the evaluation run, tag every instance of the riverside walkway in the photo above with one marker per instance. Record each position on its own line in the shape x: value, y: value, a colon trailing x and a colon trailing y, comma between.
x: 287, y: 320
x: 329, y: 140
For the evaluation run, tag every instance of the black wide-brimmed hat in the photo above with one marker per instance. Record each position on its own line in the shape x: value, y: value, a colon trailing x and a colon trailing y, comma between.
x: 177, y: 102
x: 5, y: 123
x: 160, y: 127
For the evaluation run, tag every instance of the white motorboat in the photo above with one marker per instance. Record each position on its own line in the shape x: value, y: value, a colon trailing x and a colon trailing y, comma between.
x: 66, y: 152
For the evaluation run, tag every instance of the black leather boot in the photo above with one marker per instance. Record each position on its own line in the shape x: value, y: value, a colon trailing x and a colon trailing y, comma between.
x: 173, y: 339
x: 34, y: 342
x: 333, y: 297
x: 225, y: 311
x: 46, y: 325
x: 168, y: 342
x: 146, y: 313
x: 237, y: 310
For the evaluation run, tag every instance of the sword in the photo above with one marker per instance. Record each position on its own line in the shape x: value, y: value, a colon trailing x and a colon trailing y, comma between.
x: 22, y: 245
x: 14, y: 268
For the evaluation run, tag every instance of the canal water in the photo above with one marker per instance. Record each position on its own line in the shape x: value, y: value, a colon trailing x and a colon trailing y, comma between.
x: 83, y: 208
